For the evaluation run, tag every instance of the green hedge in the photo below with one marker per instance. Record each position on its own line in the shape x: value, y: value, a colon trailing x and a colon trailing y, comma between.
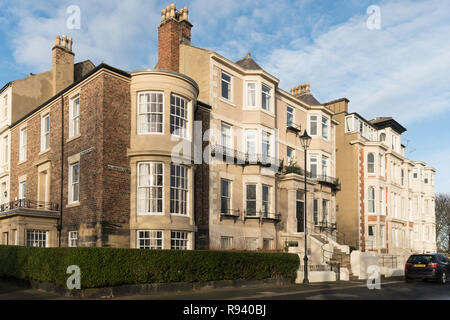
x: 102, y: 267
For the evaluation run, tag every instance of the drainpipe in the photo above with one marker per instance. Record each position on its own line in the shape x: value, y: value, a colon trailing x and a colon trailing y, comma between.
x: 62, y: 174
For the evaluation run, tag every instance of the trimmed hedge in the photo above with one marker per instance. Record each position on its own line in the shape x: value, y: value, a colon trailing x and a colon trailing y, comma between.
x: 101, y: 267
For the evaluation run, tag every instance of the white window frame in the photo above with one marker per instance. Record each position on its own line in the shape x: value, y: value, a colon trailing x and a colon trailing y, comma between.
x: 227, y: 197
x: 22, y: 190
x: 371, y: 164
x: 177, y: 242
x: 180, y: 175
x: 248, y: 93
x: 42, y: 238
x: 227, y: 135
x: 5, y: 150
x: 247, y: 247
x: 45, y: 135
x: 153, y: 185
x: 184, y: 130
x: 325, y: 127
x: 149, y: 112
x: 316, y: 121
x: 73, y: 239
x: 74, y: 118
x: 290, y: 113
x: 255, y: 200
x: 152, y: 238
x: 73, y: 183
x: 266, y: 203
x: 251, y: 136
x: 23, y: 144
x: 371, y: 199
x: 311, y: 162
x: 228, y: 240
x: 230, y: 86
x: 268, y: 97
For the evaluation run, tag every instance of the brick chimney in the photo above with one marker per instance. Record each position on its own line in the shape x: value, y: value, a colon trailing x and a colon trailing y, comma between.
x: 62, y: 63
x: 173, y: 30
x: 300, y: 90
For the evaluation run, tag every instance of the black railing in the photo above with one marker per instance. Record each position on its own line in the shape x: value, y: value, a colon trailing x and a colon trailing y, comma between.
x: 242, y: 158
x: 232, y: 213
x: 262, y: 215
x: 326, y: 179
x: 29, y: 204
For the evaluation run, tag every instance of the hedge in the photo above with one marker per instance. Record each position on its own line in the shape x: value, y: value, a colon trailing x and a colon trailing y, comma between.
x: 101, y: 267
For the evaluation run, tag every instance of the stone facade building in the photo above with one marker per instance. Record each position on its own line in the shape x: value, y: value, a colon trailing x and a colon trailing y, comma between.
x: 198, y: 153
x: 386, y: 204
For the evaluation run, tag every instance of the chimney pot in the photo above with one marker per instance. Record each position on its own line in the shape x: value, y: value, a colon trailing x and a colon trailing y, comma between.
x: 64, y: 44
x: 58, y: 41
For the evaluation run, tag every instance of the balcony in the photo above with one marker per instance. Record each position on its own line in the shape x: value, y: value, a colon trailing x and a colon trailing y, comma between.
x: 230, y: 213
x: 293, y: 127
x: 327, y: 180
x: 232, y: 156
x: 325, y: 226
x: 29, y: 206
x: 262, y: 216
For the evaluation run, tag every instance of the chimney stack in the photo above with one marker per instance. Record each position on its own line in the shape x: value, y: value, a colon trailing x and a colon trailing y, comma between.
x: 174, y: 29
x: 62, y: 63
x: 300, y: 90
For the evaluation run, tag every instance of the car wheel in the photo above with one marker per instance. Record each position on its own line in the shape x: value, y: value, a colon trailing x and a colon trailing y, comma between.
x: 443, y: 279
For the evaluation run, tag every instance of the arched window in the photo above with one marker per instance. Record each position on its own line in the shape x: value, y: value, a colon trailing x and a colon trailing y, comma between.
x: 371, y: 163
x: 371, y: 197
x: 383, y: 137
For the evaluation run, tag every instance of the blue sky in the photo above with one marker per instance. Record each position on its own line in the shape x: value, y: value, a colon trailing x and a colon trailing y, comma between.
x: 401, y: 70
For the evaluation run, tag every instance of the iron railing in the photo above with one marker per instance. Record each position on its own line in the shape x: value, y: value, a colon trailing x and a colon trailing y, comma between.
x: 231, y: 213
x: 28, y: 204
x: 262, y: 215
x: 243, y: 158
x: 389, y: 261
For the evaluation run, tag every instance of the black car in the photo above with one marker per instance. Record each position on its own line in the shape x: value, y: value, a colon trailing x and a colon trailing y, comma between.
x: 433, y: 266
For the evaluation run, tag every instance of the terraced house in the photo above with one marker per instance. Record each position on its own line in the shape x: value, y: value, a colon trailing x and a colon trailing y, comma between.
x: 387, y: 200
x: 200, y: 152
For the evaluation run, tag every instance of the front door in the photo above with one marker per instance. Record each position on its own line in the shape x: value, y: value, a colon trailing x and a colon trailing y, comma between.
x: 300, y: 216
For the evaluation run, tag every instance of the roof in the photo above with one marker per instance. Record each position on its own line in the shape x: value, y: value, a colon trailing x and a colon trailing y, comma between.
x: 384, y: 122
x: 99, y: 67
x: 248, y: 63
x: 309, y: 99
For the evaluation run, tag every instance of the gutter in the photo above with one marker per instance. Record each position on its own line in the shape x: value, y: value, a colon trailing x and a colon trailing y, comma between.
x: 62, y: 174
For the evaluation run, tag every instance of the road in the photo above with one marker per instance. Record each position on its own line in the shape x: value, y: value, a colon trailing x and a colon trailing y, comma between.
x: 391, y: 289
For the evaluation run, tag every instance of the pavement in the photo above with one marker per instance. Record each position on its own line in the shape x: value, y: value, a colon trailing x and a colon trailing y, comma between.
x: 390, y: 289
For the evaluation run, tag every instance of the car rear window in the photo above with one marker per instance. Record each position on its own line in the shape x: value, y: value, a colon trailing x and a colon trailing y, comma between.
x: 425, y: 259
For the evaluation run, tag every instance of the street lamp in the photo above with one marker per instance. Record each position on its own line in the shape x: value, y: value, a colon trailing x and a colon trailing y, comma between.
x: 305, y: 139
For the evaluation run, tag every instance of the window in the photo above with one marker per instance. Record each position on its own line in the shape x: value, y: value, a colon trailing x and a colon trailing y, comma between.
x: 226, y: 136
x: 251, y: 200
x: 73, y: 238
x: 178, y: 116
x: 226, y: 86
x: 383, y: 236
x: 251, y: 243
x: 403, y: 177
x: 324, y: 166
x: 23, y: 145
x: 5, y: 238
x: 74, y: 183
x: 150, y: 239
x: 45, y: 132
x: 265, y: 200
x: 5, y: 150
x: 324, y: 211
x: 381, y: 201
x: 225, y: 196
x: 414, y: 173
x: 179, y: 240
x: 265, y: 150
x: 150, y: 187
x: 251, y: 94
x: 371, y: 237
x: 289, y: 154
x: 313, y: 166
x: 382, y: 137
x: 36, y: 238
x: 250, y: 137
x: 267, y: 244
x: 426, y: 178
x: 150, y: 112
x: 370, y: 163
x: 316, y: 211
x: 381, y: 164
x: 178, y: 189
x: 371, y: 195
x: 23, y: 190
x: 74, y: 117
x: 226, y: 243
x: 313, y: 125
x: 324, y: 128
x: 289, y: 116
x: 265, y: 96
x: 394, y: 143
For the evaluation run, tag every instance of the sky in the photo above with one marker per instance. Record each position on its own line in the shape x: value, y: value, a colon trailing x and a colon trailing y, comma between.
x: 394, y: 61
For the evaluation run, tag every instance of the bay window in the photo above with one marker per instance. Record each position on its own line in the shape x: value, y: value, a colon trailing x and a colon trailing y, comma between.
x: 251, y: 94
x: 266, y: 97
x: 150, y: 188
x: 179, y: 189
x: 150, y: 239
x: 251, y: 200
x: 178, y: 116
x: 150, y: 112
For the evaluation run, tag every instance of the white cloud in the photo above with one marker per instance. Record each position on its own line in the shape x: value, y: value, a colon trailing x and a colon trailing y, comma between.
x: 403, y: 66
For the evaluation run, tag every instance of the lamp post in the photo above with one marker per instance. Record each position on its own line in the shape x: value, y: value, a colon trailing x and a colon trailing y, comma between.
x: 305, y: 139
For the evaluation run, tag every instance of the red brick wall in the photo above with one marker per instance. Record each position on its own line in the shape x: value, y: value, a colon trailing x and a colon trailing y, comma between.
x: 361, y: 200
x: 170, y: 34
